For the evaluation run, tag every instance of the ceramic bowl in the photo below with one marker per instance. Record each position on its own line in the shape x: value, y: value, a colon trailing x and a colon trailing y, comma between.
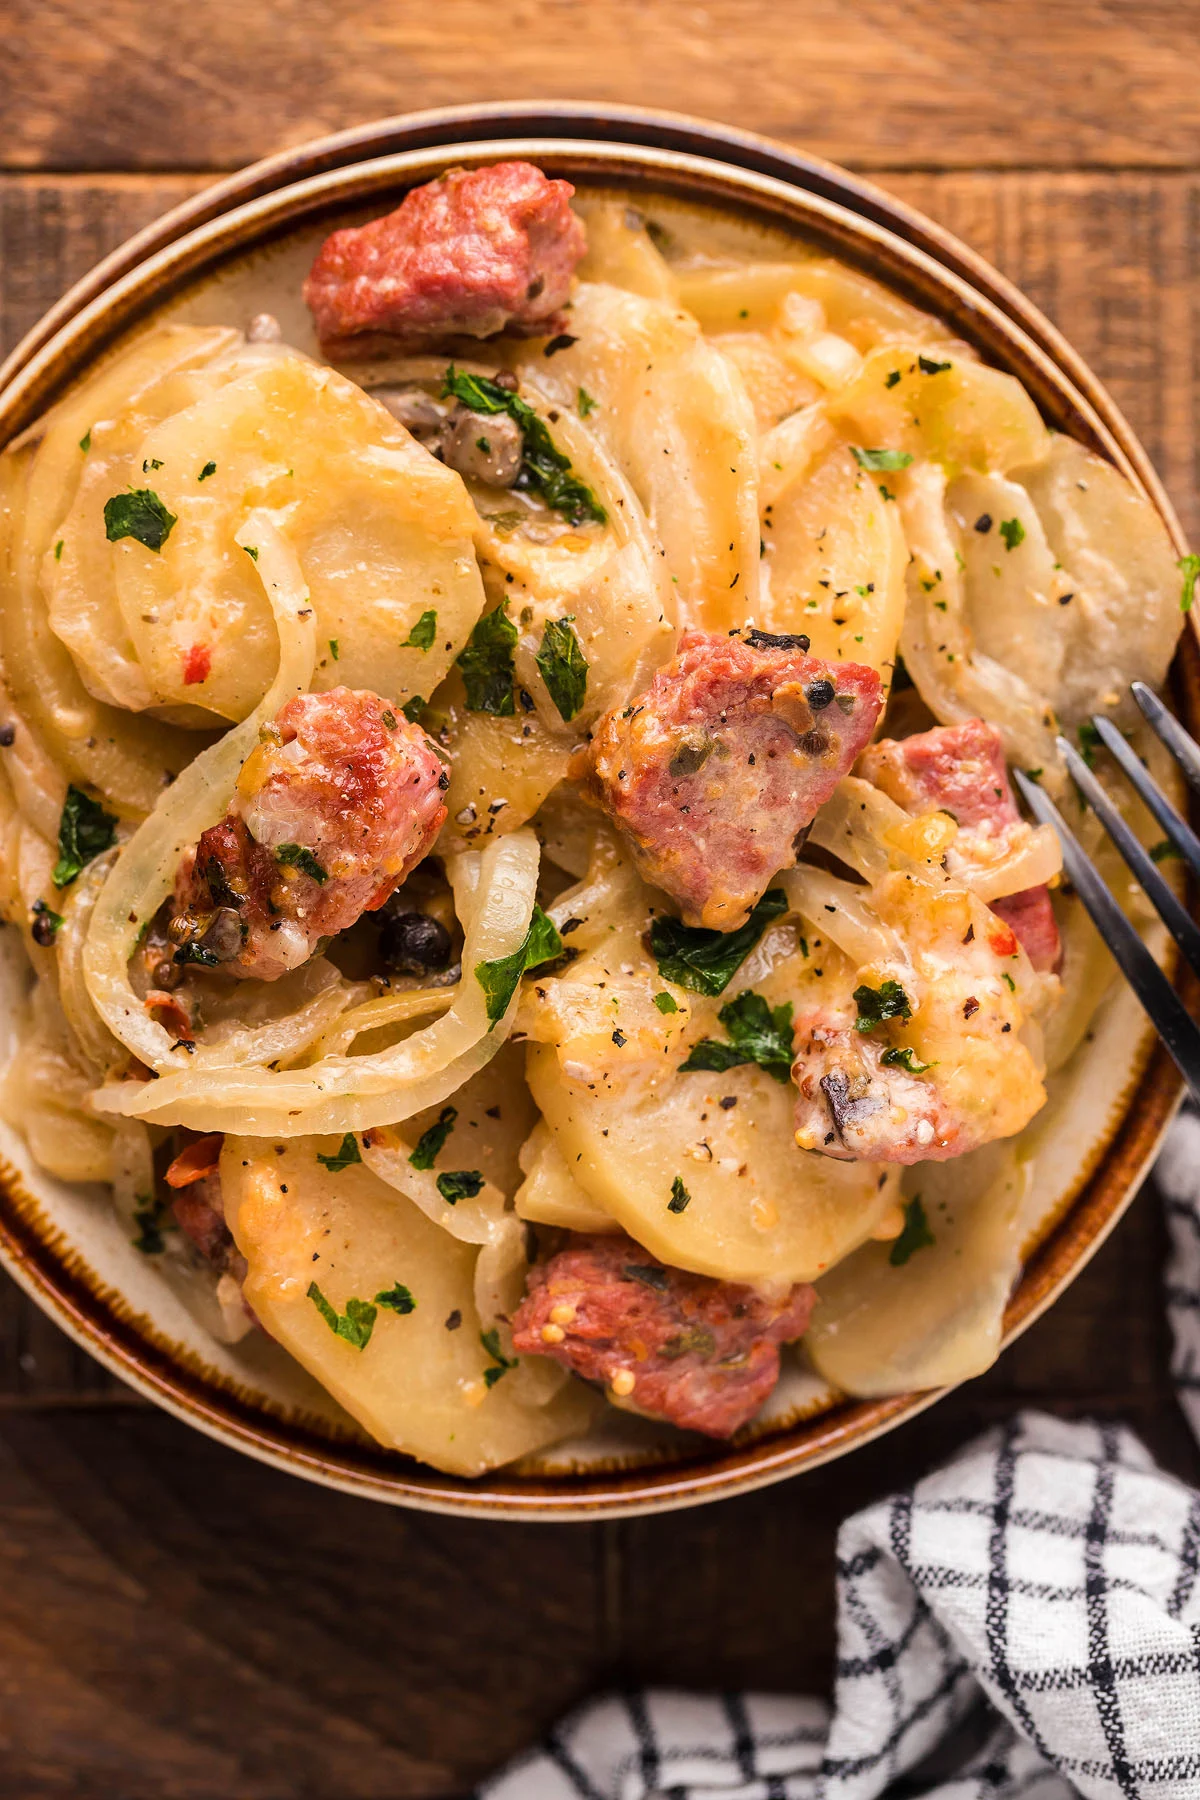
x: 239, y: 248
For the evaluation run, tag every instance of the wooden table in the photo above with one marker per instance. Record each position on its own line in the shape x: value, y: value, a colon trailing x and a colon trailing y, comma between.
x: 175, y: 1620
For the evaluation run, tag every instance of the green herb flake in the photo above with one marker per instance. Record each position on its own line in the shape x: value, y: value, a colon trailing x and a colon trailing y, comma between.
x: 891, y: 378
x: 85, y: 831
x: 139, y: 514
x: 355, y: 1325
x: 680, y: 1198
x: 563, y: 667
x: 906, y: 1060
x: 298, y: 856
x: 151, y: 1219
x: 915, y: 1236
x: 397, y: 1299
x: 585, y: 403
x: 499, y: 979
x: 1013, y: 533
x: 58, y: 550
x: 412, y: 709
x: 1089, y: 742
x: 501, y: 1364
x: 1005, y: 976
x: 703, y: 961
x: 459, y: 1184
x: 251, y: 552
x: 210, y: 468
x: 344, y: 1157
x: 928, y: 366
x: 876, y: 1005
x: 423, y: 633
x: 758, y: 1034
x: 433, y: 1140
x: 1163, y: 851
x: 46, y: 924
x: 880, y: 459
x: 335, y: 649
x: 665, y: 1004
x: 1189, y: 568
x: 544, y: 468
x: 85, y: 442
x: 486, y: 664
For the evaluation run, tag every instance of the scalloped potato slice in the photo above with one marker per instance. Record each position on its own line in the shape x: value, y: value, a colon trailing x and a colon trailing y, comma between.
x: 383, y: 531
x: 550, y: 1194
x: 956, y: 410
x: 419, y: 1385
x: 934, y: 1319
x: 835, y: 562
x: 753, y: 295
x: 673, y: 414
x: 759, y: 1210
x: 621, y: 251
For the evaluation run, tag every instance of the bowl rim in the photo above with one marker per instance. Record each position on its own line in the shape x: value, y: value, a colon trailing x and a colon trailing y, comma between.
x: 661, y: 147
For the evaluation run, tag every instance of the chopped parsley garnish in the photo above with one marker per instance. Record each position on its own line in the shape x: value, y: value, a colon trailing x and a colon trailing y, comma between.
x: 877, y: 1005
x: 335, y: 650
x: 412, y: 709
x: 298, y: 856
x: 1189, y: 568
x: 881, y: 459
x: 1163, y: 851
x: 499, y: 978
x: 423, y: 632
x: 138, y: 514
x: 459, y: 1184
x: 928, y: 366
x: 705, y: 961
x: 251, y: 552
x: 1089, y: 742
x: 758, y: 1033
x: 58, y: 550
x: 1005, y: 976
x: 1013, y: 533
x: 915, y: 1236
x: 344, y: 1157
x: 151, y: 1220
x: 486, y: 662
x: 501, y: 1364
x: 544, y: 468
x: 85, y: 442
x: 397, y: 1299
x: 563, y: 666
x: 85, y: 831
x: 680, y: 1198
x: 665, y: 1003
x: 906, y: 1060
x: 210, y: 468
x: 355, y: 1325
x: 586, y: 403
x: 433, y: 1140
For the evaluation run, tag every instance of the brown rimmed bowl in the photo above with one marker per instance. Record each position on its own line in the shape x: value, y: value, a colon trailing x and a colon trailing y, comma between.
x: 60, y: 1244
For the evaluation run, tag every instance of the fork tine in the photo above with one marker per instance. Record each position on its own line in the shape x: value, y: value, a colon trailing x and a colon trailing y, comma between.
x: 1173, y: 914
x: 1183, y: 748
x: 1167, y: 1012
x: 1178, y: 830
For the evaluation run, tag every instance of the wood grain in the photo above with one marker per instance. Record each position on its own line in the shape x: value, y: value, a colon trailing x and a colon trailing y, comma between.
x: 1006, y: 83
x: 176, y: 1621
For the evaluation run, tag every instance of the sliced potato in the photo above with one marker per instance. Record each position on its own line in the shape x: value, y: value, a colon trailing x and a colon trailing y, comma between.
x: 420, y: 1384
x: 945, y: 405
x: 621, y: 251
x: 753, y: 295
x: 550, y: 1194
x: 674, y: 415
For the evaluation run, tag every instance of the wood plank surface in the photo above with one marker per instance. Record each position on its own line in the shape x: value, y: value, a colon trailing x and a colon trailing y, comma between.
x: 178, y: 1621
x: 937, y: 83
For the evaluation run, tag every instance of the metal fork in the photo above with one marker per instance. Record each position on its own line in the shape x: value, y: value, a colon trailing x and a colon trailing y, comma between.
x: 1170, y: 1018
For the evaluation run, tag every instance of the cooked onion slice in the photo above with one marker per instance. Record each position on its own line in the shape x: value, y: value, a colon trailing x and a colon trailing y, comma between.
x: 494, y: 895
x: 145, y: 870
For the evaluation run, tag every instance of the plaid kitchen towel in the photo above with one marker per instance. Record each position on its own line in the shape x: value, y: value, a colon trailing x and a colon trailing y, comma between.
x: 1024, y: 1621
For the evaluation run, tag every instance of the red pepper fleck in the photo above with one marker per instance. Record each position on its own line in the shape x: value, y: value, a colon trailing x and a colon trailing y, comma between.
x: 197, y: 664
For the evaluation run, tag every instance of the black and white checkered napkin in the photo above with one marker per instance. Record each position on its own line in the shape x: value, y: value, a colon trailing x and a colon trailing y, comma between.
x: 1024, y: 1621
